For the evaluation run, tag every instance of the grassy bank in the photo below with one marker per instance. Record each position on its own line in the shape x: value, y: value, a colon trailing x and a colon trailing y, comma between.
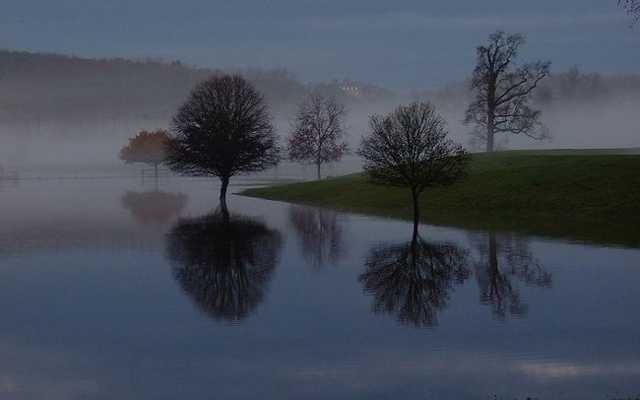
x: 591, y: 196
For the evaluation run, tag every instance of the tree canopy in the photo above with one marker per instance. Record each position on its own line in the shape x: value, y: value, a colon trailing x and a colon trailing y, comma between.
x: 223, y: 129
x: 146, y: 147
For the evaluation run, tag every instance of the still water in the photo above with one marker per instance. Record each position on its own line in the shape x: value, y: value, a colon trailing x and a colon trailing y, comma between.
x: 115, y: 289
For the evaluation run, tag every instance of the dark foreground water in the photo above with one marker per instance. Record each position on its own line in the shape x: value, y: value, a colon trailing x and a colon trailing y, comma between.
x: 110, y: 289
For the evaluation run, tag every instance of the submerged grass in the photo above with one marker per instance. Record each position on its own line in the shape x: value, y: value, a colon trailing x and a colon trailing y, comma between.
x: 581, y: 195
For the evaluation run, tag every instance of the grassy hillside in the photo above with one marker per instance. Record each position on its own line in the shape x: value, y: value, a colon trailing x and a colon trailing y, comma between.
x: 589, y: 196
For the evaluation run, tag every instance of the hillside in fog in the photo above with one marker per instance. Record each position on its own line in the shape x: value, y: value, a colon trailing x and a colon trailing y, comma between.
x: 51, y: 86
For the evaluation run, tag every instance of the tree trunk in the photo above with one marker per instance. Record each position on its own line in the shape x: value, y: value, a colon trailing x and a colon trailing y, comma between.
x: 490, y: 136
x: 415, y: 194
x: 491, y: 111
x: 155, y: 167
x: 318, y: 165
x: 223, y: 196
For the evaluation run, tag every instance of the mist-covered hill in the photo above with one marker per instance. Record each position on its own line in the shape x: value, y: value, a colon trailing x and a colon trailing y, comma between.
x: 51, y: 86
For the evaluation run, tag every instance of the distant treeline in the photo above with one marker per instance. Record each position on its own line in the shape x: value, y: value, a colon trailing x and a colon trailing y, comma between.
x: 572, y: 87
x: 50, y: 86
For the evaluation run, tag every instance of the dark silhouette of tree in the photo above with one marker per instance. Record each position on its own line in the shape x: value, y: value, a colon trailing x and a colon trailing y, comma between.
x: 414, y: 280
x: 319, y: 233
x: 147, y: 147
x: 317, y: 132
x: 504, y: 262
x: 503, y: 91
x: 223, y: 129
x: 154, y: 207
x: 409, y: 148
x: 224, y: 262
x: 632, y: 7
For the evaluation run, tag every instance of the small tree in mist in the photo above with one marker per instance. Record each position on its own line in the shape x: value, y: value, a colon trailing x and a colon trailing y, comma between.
x: 224, y: 129
x: 147, y: 147
x: 317, y: 132
x: 409, y: 148
x: 503, y: 91
x: 632, y: 7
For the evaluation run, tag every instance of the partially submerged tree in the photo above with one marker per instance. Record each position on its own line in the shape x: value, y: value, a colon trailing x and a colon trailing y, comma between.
x: 632, y: 7
x: 317, y: 132
x: 409, y: 148
x: 224, y: 129
x: 503, y: 91
x: 147, y: 147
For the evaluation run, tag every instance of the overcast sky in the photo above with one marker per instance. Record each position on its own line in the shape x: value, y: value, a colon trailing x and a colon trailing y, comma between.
x: 399, y: 44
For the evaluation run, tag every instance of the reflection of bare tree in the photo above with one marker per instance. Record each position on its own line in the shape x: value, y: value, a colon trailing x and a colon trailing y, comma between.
x: 155, y: 207
x: 224, y: 262
x: 413, y: 280
x: 505, y: 261
x: 320, y: 234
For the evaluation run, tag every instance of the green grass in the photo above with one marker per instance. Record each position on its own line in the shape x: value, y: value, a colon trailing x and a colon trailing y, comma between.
x: 591, y: 195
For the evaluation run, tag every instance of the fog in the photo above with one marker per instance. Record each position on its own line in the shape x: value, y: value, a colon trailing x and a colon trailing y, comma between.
x: 74, y: 118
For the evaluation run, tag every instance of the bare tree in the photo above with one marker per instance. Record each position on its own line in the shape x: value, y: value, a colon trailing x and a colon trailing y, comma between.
x: 317, y: 132
x: 632, y: 7
x: 503, y: 91
x: 223, y: 129
x: 409, y: 148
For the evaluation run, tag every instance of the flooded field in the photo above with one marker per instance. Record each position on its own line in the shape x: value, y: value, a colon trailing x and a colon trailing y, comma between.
x: 118, y: 288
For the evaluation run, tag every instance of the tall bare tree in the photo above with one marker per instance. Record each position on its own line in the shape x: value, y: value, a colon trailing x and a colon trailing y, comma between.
x: 632, y: 7
x: 223, y: 129
x: 503, y: 91
x: 409, y: 148
x: 317, y: 132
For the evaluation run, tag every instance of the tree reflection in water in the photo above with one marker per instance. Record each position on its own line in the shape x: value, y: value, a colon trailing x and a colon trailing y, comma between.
x: 154, y: 207
x: 224, y: 262
x: 413, y: 280
x: 320, y: 234
x: 505, y: 261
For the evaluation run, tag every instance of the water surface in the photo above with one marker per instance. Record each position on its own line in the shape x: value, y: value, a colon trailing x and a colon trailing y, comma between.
x: 115, y: 289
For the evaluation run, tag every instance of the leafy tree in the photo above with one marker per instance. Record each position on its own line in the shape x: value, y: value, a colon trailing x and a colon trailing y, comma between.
x: 147, y: 147
x: 318, y: 131
x: 409, y: 148
x: 222, y: 130
x: 503, y: 91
